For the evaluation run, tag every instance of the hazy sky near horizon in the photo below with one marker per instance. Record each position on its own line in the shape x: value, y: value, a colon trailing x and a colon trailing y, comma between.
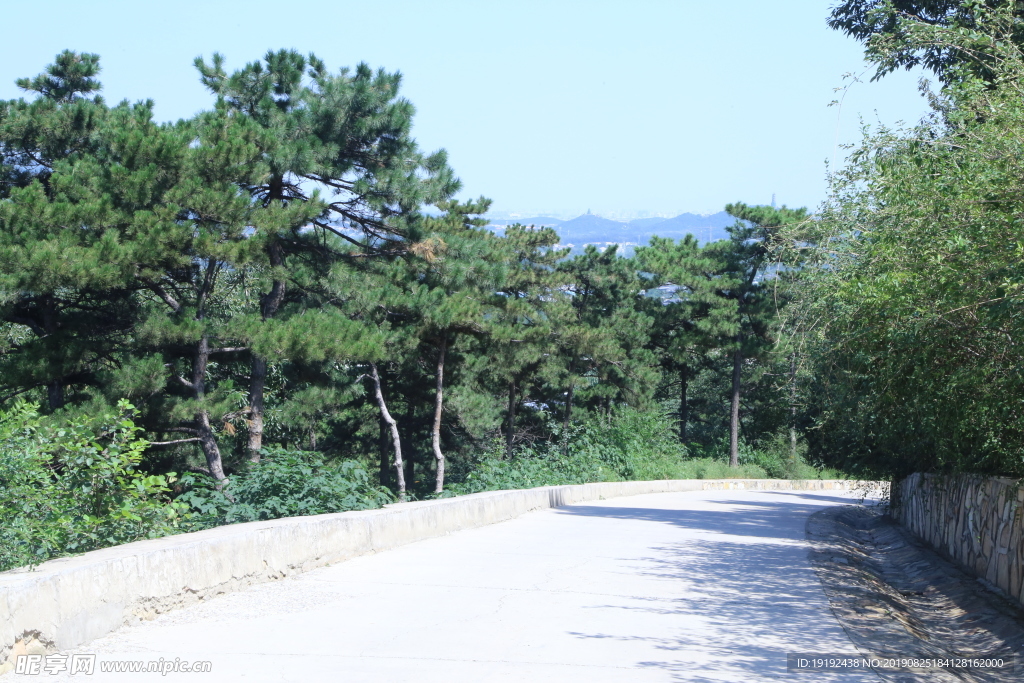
x: 556, y: 106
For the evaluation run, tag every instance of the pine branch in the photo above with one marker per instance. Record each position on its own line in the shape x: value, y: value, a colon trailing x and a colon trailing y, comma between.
x: 169, y: 443
x: 27, y: 322
x: 19, y: 392
x: 168, y: 299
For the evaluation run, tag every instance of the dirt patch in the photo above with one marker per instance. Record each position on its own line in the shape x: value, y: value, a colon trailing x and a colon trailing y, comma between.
x: 897, y: 598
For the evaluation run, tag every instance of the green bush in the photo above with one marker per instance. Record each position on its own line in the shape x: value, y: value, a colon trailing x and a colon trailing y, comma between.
x: 77, y: 487
x: 775, y: 456
x: 629, y: 445
x: 285, y: 483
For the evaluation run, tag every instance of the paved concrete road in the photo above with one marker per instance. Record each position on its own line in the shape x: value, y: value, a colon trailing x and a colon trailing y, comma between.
x: 699, y: 586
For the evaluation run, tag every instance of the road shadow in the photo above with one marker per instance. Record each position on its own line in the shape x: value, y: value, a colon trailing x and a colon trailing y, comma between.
x: 784, y: 518
x: 748, y: 598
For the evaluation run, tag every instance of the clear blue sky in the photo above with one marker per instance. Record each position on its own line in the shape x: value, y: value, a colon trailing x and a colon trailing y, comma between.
x: 656, y: 105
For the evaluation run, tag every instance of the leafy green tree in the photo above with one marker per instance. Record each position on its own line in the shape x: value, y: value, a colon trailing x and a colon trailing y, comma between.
x: 918, y: 282
x: 456, y: 271
x: 887, y: 27
x: 129, y: 232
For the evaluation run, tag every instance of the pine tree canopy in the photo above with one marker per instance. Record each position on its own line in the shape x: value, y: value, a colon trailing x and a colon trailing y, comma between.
x: 288, y: 268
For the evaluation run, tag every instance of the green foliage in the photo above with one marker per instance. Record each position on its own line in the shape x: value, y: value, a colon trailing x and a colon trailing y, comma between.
x: 76, y: 487
x: 285, y: 483
x: 630, y: 445
x: 775, y: 455
x: 886, y: 27
x: 913, y: 311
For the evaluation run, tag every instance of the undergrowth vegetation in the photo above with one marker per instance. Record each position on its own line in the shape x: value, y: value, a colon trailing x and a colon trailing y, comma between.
x: 284, y: 483
x: 78, y: 486
x: 629, y: 445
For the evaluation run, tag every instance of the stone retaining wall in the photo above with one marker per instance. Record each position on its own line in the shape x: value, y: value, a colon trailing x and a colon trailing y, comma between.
x: 70, y: 601
x: 975, y: 521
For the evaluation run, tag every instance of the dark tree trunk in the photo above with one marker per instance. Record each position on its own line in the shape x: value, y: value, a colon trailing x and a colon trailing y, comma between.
x: 202, y: 430
x: 684, y: 408
x: 393, y: 426
x: 510, y: 434
x: 410, y: 473
x: 257, y: 383
x: 54, y: 388
x: 207, y: 438
x: 567, y: 420
x: 55, y: 394
x: 258, y: 373
x: 568, y: 407
x: 435, y: 433
x: 384, y: 467
x: 734, y: 412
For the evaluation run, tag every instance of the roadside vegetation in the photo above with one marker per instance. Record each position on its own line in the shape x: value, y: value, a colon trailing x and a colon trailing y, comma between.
x: 278, y: 308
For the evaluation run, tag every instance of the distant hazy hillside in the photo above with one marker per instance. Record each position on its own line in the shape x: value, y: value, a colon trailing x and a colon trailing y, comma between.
x: 591, y: 229
x: 705, y: 228
x: 647, y: 222
x: 536, y: 220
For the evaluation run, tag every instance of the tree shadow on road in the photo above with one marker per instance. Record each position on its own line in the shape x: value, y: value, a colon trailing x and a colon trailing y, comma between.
x: 783, y: 519
x: 748, y: 594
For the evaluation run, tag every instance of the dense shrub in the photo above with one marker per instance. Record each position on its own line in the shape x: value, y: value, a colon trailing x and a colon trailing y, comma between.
x: 77, y: 487
x: 285, y: 483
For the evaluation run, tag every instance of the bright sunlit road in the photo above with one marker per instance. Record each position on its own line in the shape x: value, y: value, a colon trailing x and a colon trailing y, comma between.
x: 698, y: 586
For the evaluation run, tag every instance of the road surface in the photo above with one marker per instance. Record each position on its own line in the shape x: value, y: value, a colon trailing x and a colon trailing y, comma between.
x: 697, y: 586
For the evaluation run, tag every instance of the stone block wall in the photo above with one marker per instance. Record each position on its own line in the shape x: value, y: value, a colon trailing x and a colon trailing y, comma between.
x: 976, y: 521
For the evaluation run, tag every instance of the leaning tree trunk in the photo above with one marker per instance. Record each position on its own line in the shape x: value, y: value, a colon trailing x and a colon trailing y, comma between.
x: 734, y: 413
x: 510, y: 434
x: 393, y: 426
x: 684, y: 408
x: 435, y: 435
x: 258, y: 372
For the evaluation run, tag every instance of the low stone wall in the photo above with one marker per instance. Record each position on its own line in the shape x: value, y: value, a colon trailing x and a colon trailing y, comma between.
x: 975, y: 521
x: 70, y: 601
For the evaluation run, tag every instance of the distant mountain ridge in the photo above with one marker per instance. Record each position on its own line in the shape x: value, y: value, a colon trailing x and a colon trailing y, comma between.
x: 592, y: 229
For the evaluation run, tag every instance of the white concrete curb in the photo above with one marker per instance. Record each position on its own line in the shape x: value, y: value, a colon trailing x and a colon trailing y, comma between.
x: 67, y: 602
